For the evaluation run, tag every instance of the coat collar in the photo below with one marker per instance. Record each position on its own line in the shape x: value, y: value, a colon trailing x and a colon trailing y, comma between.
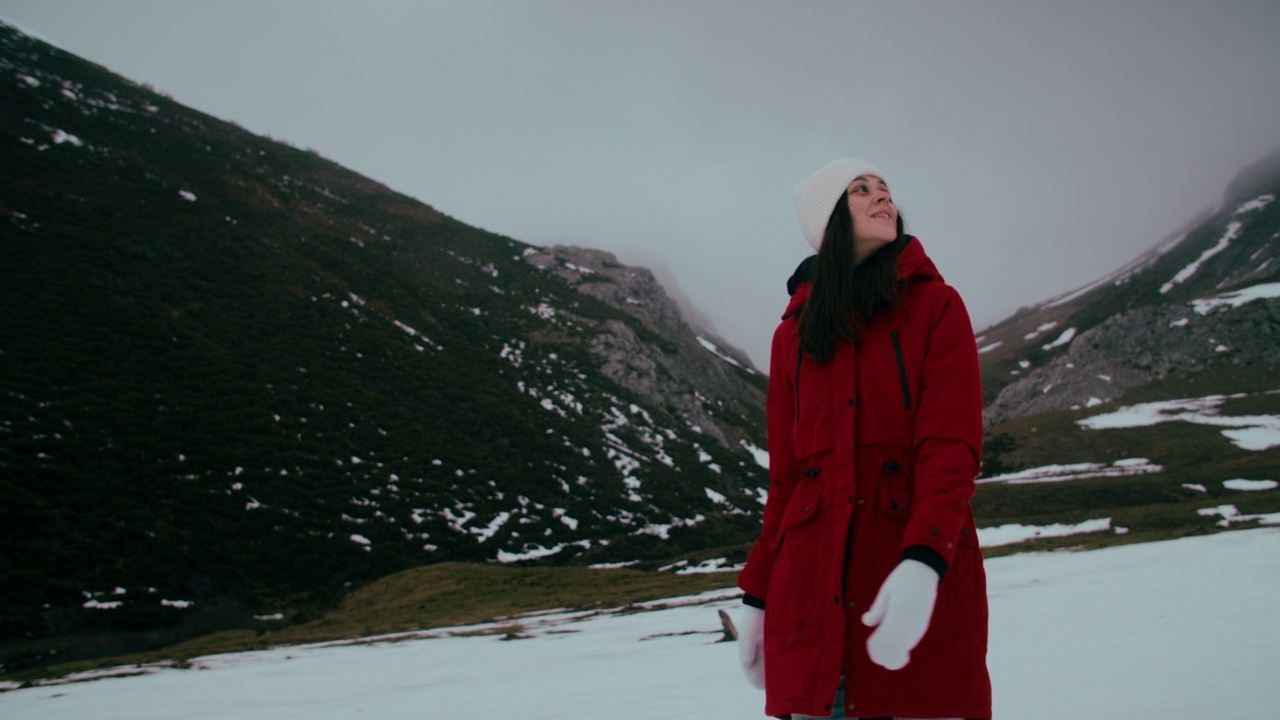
x: 913, y: 266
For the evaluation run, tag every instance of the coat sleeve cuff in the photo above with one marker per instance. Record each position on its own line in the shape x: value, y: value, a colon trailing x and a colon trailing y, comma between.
x: 753, y: 601
x: 926, y: 555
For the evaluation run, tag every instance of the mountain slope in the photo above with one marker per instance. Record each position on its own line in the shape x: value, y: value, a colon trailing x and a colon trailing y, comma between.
x: 239, y: 378
x: 1202, y: 302
x: 1145, y: 405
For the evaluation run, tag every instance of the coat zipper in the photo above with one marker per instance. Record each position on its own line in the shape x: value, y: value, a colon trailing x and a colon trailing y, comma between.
x: 902, y: 370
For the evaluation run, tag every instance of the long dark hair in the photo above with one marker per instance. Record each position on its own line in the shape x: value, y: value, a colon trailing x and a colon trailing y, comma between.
x: 844, y: 294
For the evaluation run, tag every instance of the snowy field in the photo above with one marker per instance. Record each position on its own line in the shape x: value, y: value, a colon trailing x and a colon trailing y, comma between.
x: 1179, y: 630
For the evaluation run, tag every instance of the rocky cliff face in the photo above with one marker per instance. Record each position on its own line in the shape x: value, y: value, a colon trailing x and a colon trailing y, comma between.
x: 682, y: 371
x: 1136, y: 348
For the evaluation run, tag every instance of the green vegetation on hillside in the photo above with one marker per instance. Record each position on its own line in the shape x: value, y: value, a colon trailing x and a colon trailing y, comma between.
x: 240, y: 380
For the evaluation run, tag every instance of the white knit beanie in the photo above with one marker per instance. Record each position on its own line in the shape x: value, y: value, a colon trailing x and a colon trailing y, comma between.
x: 816, y: 195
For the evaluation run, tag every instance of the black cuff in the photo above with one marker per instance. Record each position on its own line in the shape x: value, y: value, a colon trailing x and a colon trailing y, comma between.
x: 753, y: 601
x: 928, y: 556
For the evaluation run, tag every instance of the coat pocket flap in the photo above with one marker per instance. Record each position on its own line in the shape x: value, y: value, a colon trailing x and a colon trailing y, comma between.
x: 802, y: 508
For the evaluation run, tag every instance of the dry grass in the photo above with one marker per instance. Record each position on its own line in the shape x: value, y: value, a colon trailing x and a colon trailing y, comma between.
x: 436, y: 596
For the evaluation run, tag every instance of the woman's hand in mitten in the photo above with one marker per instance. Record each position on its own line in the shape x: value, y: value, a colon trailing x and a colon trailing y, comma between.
x: 751, y: 645
x: 901, y: 613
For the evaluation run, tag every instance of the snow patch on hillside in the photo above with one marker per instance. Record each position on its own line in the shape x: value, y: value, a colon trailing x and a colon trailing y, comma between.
x: 761, y: 456
x: 1250, y: 485
x: 1231, y: 233
x: 1063, y: 339
x: 714, y: 565
x: 529, y: 554
x: 1016, y: 533
x: 1230, y: 514
x: 714, y: 350
x: 1117, y: 278
x: 1248, y: 432
x: 1077, y: 471
x: 1265, y: 291
x: 1257, y: 203
x: 1046, y: 327
x: 62, y: 136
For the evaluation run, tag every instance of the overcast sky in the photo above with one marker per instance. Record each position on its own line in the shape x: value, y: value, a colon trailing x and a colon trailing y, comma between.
x: 1033, y: 146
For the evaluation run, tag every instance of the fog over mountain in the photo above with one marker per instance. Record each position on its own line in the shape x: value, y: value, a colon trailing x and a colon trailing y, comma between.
x: 1033, y: 147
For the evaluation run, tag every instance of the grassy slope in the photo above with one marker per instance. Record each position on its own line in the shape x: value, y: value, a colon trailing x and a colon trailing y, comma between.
x: 1153, y: 507
x: 434, y: 596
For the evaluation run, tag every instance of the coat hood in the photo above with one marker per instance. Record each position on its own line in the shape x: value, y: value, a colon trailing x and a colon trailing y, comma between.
x: 913, y: 266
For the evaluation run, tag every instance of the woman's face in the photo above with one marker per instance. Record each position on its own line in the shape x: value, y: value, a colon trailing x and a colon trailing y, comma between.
x: 875, y: 217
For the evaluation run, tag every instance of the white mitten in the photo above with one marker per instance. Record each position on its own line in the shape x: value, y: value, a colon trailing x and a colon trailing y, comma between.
x: 901, y: 613
x: 751, y: 645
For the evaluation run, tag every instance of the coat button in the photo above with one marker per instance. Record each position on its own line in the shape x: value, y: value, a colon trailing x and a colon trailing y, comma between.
x: 891, y: 466
x: 852, y: 604
x: 807, y: 508
x: 965, y: 532
x: 933, y: 531
x: 861, y: 503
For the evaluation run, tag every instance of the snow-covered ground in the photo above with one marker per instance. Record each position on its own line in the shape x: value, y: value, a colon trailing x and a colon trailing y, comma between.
x: 1177, y: 630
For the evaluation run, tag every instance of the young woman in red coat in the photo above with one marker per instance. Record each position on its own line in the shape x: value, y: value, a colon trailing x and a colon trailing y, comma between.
x: 865, y: 592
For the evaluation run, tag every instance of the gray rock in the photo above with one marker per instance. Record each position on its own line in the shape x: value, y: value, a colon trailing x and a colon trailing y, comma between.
x: 1141, y: 346
x: 659, y: 358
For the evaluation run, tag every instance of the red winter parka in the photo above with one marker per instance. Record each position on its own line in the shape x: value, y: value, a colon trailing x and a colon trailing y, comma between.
x: 871, y: 456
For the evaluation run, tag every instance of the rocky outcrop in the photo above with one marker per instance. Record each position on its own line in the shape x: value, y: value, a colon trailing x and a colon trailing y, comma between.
x: 659, y: 356
x: 1138, y: 347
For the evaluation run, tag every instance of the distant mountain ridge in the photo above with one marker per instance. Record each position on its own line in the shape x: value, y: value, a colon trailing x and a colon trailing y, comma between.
x: 1204, y: 299
x: 1145, y: 405
x: 237, y: 375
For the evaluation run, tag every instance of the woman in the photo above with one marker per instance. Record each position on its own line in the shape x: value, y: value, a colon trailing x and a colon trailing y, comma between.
x: 865, y: 592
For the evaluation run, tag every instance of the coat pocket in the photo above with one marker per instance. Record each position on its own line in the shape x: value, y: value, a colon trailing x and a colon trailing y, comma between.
x: 803, y: 507
x: 961, y: 607
x: 801, y: 559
